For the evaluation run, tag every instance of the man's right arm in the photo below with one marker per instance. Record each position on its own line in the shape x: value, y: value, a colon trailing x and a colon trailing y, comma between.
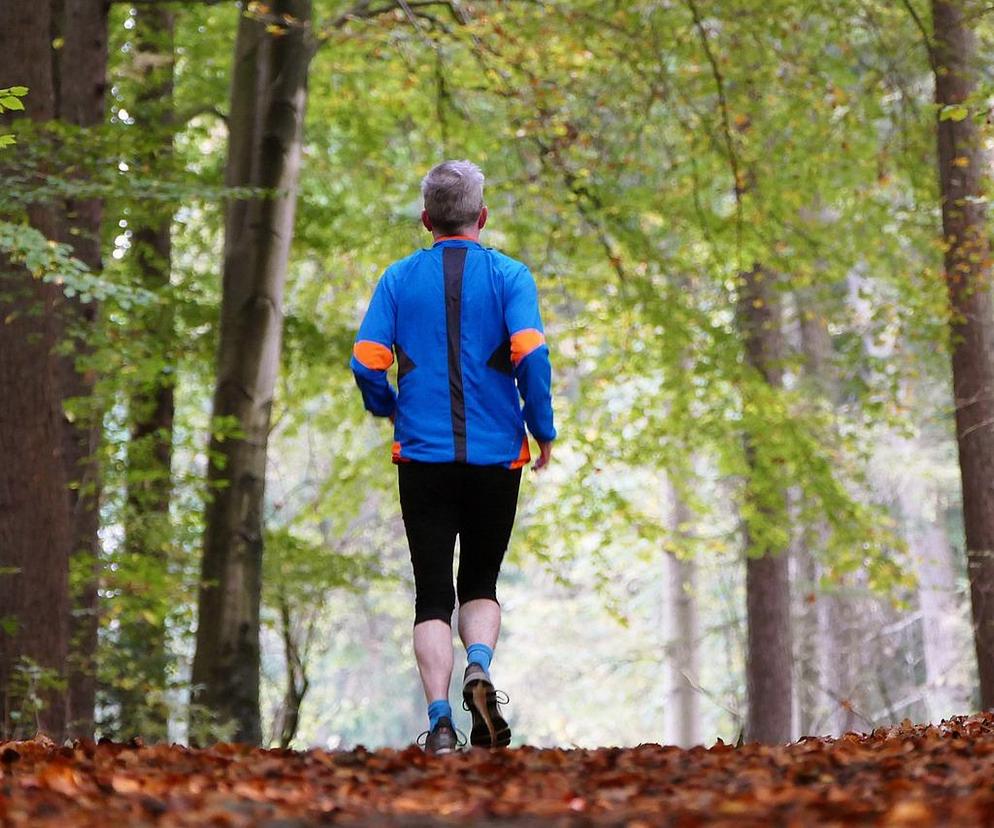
x: 372, y: 353
x: 530, y: 355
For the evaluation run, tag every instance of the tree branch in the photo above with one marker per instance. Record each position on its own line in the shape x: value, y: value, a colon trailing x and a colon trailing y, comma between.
x: 926, y: 37
x: 171, y: 2
x: 733, y: 159
x: 364, y: 10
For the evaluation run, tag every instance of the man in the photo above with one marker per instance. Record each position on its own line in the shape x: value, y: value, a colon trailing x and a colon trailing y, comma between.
x: 464, y: 323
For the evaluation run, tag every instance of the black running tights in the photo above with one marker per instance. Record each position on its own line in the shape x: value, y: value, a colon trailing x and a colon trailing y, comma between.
x: 442, y: 500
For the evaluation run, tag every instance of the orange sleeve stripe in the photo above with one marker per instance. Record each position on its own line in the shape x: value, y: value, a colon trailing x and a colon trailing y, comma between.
x: 524, y: 342
x: 373, y: 355
x: 524, y: 456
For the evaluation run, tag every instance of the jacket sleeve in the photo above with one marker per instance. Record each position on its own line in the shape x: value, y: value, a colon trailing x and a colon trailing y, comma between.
x: 372, y: 353
x: 529, y: 353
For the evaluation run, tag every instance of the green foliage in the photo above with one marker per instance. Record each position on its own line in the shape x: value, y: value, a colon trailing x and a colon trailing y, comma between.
x: 640, y: 156
x: 53, y: 262
x: 10, y: 101
x: 30, y: 689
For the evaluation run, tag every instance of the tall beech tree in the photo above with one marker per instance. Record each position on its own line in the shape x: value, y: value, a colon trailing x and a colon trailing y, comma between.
x: 769, y: 680
x: 82, y: 74
x: 71, y: 91
x: 35, y: 524
x: 764, y: 514
x: 963, y: 169
x: 268, y: 100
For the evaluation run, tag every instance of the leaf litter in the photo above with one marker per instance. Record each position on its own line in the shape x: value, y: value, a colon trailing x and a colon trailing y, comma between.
x: 908, y: 775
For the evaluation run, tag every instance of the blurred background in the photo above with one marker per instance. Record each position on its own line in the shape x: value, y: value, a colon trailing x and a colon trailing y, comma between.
x: 754, y: 522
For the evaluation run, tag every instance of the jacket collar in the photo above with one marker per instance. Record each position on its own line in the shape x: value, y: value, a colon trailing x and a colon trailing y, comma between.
x: 455, y: 241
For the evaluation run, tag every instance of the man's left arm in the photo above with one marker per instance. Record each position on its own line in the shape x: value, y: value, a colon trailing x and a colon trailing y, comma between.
x: 372, y: 353
x: 530, y: 355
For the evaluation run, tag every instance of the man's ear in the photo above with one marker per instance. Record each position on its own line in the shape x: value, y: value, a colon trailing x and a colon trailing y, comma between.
x: 426, y: 221
x: 482, y: 220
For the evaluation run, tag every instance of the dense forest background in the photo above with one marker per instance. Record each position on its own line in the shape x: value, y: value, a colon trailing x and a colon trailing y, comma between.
x: 759, y: 232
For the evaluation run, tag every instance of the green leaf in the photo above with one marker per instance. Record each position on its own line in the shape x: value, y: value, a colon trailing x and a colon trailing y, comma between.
x: 7, y: 140
x: 953, y: 112
x: 19, y: 91
x: 10, y: 102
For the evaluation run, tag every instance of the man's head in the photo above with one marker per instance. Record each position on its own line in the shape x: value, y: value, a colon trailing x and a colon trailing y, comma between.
x: 453, y: 195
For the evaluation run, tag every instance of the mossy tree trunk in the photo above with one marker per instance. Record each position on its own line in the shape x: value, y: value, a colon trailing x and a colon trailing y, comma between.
x: 142, y: 639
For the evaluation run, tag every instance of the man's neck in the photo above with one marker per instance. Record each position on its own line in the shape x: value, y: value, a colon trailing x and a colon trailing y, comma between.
x: 468, y: 233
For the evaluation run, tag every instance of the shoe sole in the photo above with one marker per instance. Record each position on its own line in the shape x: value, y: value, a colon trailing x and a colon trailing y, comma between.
x: 489, y: 727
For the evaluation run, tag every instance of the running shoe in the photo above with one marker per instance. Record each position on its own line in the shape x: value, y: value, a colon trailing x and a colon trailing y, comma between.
x: 490, y: 729
x: 441, y: 739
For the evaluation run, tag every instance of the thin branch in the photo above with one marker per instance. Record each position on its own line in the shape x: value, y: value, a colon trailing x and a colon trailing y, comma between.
x: 409, y: 12
x: 926, y: 37
x: 170, y: 2
x: 726, y: 120
x: 363, y: 10
x: 697, y: 687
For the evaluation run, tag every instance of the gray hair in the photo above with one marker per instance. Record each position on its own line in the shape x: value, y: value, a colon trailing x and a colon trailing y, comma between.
x: 453, y: 194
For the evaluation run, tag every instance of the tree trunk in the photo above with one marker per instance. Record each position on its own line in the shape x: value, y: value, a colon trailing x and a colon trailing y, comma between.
x: 142, y: 637
x: 35, y: 529
x: 268, y: 98
x: 768, y: 641
x: 826, y: 641
x: 963, y: 166
x: 82, y: 71
x: 683, y: 629
x: 947, y: 687
x: 297, y: 681
x: 838, y: 645
x: 684, y: 707
x: 947, y: 690
x: 808, y: 597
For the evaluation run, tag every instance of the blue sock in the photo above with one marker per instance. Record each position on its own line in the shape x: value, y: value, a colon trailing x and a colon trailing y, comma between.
x: 438, y: 709
x: 479, y: 654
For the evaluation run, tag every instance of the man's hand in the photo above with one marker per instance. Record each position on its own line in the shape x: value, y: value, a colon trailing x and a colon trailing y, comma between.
x: 545, y: 455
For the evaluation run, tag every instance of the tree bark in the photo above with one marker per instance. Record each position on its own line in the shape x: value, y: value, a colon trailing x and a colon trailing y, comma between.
x: 142, y: 638
x: 268, y: 99
x: 947, y: 690
x: 827, y: 642
x: 963, y: 165
x: 684, y: 707
x: 82, y: 73
x: 297, y: 680
x: 35, y: 528
x: 838, y: 644
x: 947, y: 686
x: 807, y: 597
x: 768, y: 640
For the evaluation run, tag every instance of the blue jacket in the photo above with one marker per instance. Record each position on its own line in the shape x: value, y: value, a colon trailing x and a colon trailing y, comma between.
x: 464, y: 323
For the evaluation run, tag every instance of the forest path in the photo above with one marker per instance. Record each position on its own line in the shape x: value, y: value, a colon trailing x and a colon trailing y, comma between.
x: 900, y: 776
